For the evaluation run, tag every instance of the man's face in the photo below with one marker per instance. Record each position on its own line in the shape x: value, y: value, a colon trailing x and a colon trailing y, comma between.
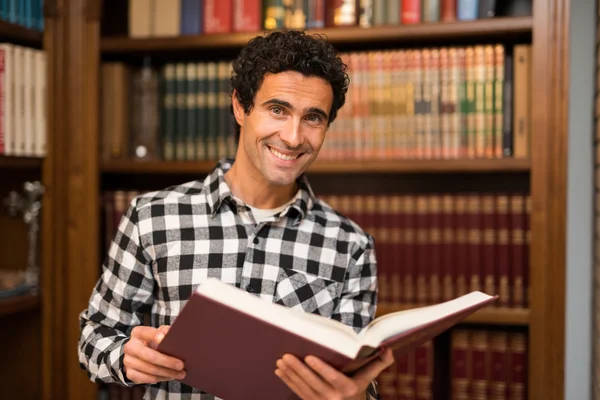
x: 286, y: 127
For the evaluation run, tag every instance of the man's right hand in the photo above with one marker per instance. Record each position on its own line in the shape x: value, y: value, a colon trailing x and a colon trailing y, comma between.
x: 143, y: 363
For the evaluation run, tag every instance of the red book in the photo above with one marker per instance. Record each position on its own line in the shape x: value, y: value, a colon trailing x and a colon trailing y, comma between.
x: 206, y: 336
x: 247, y: 15
x: 411, y: 12
x: 218, y: 16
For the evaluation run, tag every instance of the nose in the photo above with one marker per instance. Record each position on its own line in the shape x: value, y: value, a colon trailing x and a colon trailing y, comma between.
x: 292, y: 134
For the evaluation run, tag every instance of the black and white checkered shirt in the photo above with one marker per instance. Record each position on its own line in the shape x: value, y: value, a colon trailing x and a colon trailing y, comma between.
x: 308, y: 256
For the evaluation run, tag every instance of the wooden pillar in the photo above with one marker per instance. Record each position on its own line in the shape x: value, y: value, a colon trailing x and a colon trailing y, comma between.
x: 549, y: 193
x: 71, y: 210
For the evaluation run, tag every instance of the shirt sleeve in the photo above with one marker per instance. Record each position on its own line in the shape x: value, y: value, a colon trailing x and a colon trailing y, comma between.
x: 117, y: 304
x: 359, y: 295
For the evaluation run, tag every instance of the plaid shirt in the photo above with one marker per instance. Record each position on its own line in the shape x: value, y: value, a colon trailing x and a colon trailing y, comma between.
x: 308, y: 256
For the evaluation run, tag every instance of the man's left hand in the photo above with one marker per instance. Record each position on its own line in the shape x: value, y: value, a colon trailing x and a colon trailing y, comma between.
x: 315, y: 379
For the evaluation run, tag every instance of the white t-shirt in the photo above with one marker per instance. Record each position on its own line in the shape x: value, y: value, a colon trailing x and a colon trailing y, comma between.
x: 264, y: 214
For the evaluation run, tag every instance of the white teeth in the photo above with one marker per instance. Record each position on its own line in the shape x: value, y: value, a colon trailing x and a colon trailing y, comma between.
x: 282, y: 156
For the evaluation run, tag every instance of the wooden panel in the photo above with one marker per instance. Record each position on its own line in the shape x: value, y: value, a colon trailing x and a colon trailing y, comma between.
x: 403, y: 34
x: 548, y: 188
x: 18, y: 304
x: 20, y: 162
x: 53, y: 218
x: 20, y: 35
x: 20, y: 346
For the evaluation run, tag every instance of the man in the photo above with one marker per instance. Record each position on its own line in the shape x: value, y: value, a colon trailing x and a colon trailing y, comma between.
x: 254, y: 223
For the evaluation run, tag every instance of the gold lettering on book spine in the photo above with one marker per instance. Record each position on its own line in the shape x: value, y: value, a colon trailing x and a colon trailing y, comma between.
x: 422, y: 297
x: 435, y: 239
x: 448, y: 240
x: 409, y: 240
x: 461, y: 240
x: 503, y: 242
x: 395, y: 240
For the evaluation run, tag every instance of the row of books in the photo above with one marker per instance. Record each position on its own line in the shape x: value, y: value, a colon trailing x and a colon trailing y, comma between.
x: 440, y: 103
x: 484, y: 364
x: 449, y: 102
x: 435, y: 247
x: 160, y: 18
x: 430, y: 248
x: 22, y: 101
x: 27, y: 13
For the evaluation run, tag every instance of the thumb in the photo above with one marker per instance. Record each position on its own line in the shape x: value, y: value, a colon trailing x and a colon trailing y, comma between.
x: 375, y: 367
x: 159, y: 336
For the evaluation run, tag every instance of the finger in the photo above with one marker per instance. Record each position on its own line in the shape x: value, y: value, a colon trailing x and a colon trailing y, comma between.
x: 332, y: 376
x: 144, y: 333
x: 308, y: 376
x: 159, y: 336
x: 151, y: 369
x: 295, y: 383
x: 141, y: 377
x: 137, y: 349
x: 374, y: 368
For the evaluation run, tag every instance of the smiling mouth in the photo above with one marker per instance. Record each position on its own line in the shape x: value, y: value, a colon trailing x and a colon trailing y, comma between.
x: 283, y: 157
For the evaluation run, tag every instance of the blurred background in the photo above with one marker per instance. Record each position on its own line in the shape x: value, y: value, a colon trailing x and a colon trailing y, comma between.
x: 466, y: 147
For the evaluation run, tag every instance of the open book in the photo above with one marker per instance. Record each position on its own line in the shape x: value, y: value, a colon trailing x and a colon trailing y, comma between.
x: 230, y: 340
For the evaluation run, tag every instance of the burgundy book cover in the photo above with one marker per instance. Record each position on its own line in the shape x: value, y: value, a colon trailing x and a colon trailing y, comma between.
x: 479, y: 364
x: 447, y: 247
x: 435, y: 248
x: 423, y: 265
x: 489, y: 252
x: 517, y: 380
x: 219, y: 360
x: 517, y: 245
x: 408, y: 245
x: 461, y: 251
x: 503, y: 260
x: 460, y: 364
x: 499, y: 367
x: 474, y: 268
x: 382, y: 245
x: 396, y: 250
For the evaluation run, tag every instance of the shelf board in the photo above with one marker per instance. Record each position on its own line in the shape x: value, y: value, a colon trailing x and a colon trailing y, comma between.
x: 486, y: 316
x: 21, y: 162
x: 486, y: 28
x: 20, y: 303
x: 20, y: 35
x: 332, y: 167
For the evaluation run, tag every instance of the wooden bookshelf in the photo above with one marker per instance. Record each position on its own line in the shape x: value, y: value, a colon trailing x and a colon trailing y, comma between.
x: 332, y: 167
x: 402, y: 34
x: 17, y: 304
x: 486, y: 316
x: 20, y: 162
x: 20, y: 35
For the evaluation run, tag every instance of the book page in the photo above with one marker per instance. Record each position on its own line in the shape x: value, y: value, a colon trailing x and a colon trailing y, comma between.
x: 402, y: 321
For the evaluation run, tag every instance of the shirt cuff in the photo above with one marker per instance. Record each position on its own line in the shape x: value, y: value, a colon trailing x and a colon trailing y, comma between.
x: 372, y: 391
x: 115, y: 360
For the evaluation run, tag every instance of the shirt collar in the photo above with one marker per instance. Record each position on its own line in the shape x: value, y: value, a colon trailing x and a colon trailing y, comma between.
x: 217, y: 192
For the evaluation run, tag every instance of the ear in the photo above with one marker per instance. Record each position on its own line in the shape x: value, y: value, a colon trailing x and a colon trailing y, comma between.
x: 238, y: 109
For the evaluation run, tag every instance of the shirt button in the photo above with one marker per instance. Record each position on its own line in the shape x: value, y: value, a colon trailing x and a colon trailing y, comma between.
x: 255, y: 241
x: 250, y: 288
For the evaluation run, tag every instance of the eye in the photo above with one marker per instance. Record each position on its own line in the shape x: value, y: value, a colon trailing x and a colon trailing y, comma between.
x: 314, y: 118
x: 276, y: 110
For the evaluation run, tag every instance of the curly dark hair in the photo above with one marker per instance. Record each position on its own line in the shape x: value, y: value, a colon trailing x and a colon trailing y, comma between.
x: 311, y: 55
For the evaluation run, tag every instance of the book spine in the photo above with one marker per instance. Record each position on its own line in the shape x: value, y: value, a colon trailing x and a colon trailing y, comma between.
x: 411, y: 12
x: 247, y: 15
x: 448, y: 10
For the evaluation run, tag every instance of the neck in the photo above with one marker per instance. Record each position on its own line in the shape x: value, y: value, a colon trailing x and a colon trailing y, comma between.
x: 249, y: 185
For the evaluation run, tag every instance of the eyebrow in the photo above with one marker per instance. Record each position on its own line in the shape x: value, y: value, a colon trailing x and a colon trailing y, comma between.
x: 315, y: 110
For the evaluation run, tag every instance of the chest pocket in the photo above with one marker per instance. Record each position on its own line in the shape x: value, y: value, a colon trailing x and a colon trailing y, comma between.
x: 307, y: 292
